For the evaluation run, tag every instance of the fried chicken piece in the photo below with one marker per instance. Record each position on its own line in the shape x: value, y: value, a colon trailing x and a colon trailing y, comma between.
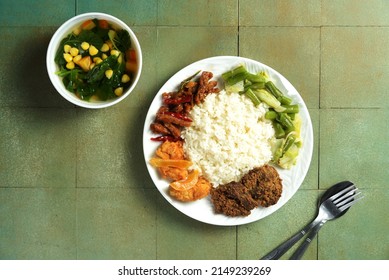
x: 200, y: 190
x: 173, y: 173
x: 172, y: 150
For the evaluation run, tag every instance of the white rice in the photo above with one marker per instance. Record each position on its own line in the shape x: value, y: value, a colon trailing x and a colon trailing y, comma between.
x: 228, y: 137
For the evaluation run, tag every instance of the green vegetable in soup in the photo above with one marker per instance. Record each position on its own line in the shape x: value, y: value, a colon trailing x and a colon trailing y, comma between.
x: 96, y: 60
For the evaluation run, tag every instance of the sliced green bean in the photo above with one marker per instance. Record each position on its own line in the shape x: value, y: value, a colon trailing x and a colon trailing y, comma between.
x: 292, y: 116
x: 284, y: 100
x: 298, y: 144
x: 258, y: 85
x: 271, y: 115
x: 250, y: 94
x: 247, y: 83
x: 285, y: 121
x: 268, y: 98
x: 238, y: 70
x: 289, y: 141
x: 236, y: 78
x: 271, y: 87
x: 279, y: 132
x: 255, y: 78
x: 294, y: 109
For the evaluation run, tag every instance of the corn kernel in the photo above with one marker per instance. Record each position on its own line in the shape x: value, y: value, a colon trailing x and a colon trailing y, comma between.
x: 118, y: 91
x: 104, y: 56
x: 92, y: 65
x: 125, y: 78
x: 77, y: 31
x: 109, y: 73
x: 115, y: 52
x: 85, y: 45
x: 97, y: 60
x: 93, y: 51
x: 109, y: 44
x: 66, y: 48
x: 68, y: 57
x: 70, y: 65
x: 104, y: 47
x: 73, y: 51
x: 77, y: 58
x: 120, y: 58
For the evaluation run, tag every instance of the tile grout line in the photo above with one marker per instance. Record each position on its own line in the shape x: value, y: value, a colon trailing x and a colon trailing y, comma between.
x: 76, y: 165
x: 76, y: 183
x: 237, y: 227
x: 318, y: 140
x: 238, y: 46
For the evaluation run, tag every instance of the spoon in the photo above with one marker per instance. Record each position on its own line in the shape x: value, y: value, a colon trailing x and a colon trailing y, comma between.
x: 315, y: 224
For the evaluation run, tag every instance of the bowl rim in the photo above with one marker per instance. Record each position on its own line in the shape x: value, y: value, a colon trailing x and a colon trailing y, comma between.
x: 52, y: 67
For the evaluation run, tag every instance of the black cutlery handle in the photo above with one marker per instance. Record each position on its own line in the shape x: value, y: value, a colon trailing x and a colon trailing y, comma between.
x: 297, y: 255
x: 280, y: 250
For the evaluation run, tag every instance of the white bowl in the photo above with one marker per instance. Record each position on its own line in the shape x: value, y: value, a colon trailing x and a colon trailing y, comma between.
x: 63, y: 31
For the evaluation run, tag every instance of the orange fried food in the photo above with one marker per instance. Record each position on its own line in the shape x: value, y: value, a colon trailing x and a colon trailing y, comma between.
x: 172, y: 164
x: 187, y: 183
x: 179, y: 163
x: 201, y: 189
x: 171, y: 150
x: 173, y: 173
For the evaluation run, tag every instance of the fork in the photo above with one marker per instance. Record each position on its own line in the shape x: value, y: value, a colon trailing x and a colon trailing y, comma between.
x: 336, y: 205
x: 329, y: 209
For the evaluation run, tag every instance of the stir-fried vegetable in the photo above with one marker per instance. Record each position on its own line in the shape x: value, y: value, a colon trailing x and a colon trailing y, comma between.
x: 283, y: 114
x: 269, y: 99
x: 254, y: 97
x: 96, y: 60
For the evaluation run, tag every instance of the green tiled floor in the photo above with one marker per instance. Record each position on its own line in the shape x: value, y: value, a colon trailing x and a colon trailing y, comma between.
x: 73, y: 183
x: 109, y: 223
x: 38, y: 223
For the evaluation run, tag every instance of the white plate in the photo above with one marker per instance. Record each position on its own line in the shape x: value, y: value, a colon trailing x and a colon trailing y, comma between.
x: 202, y: 210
